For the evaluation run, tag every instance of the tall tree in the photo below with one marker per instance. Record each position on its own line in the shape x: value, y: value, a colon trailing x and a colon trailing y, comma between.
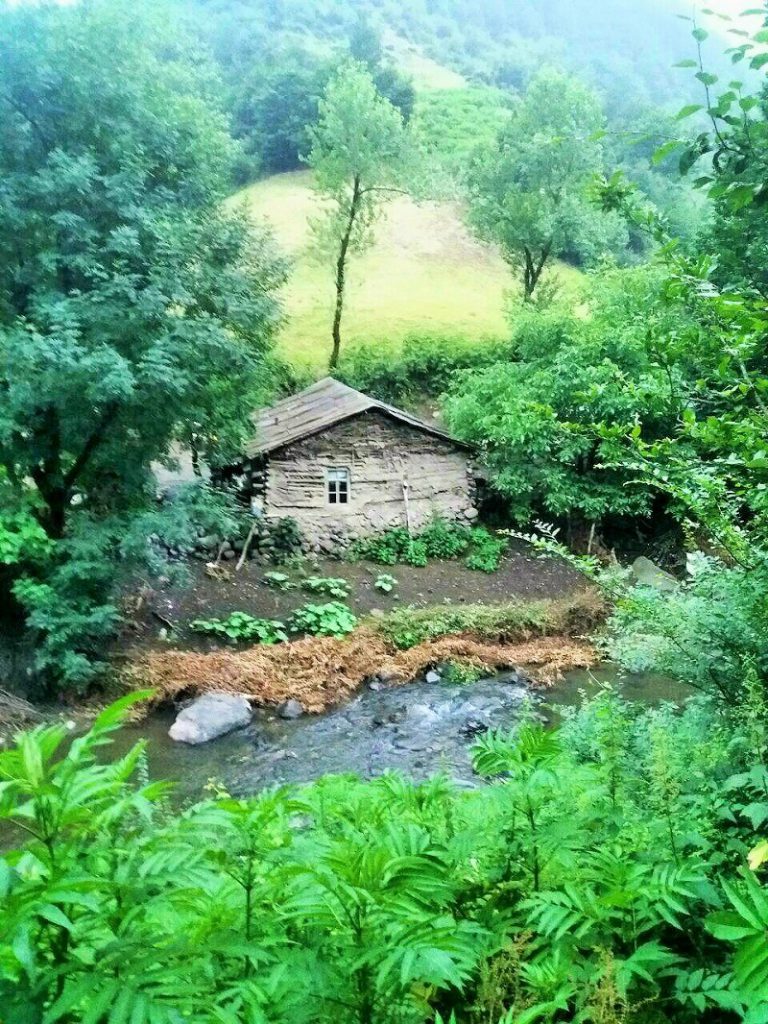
x: 134, y: 308
x: 527, y: 192
x: 359, y: 155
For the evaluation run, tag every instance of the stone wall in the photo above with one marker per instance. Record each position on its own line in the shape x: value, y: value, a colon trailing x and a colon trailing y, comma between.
x: 381, y: 455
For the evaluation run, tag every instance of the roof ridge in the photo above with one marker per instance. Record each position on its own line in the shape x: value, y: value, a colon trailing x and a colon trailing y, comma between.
x: 318, y: 407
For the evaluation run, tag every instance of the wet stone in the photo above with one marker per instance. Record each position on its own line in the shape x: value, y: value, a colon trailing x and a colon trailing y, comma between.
x: 290, y: 709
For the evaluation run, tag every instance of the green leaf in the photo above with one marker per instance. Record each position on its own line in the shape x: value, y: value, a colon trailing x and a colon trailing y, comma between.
x: 728, y: 926
x: 687, y: 111
x: 114, y: 715
x: 665, y: 150
x: 55, y: 915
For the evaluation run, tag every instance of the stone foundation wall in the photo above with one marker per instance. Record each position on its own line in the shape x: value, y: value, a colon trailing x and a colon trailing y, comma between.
x: 381, y: 454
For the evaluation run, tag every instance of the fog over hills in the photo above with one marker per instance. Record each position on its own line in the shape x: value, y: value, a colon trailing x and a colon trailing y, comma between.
x: 625, y: 48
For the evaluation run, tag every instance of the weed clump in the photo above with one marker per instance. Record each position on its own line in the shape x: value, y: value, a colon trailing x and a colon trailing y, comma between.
x: 441, y: 540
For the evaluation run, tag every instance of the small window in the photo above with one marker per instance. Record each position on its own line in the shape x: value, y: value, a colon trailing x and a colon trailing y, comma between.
x: 338, y: 486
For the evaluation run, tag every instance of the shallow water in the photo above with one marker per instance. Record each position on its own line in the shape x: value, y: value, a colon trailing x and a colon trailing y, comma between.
x: 419, y: 729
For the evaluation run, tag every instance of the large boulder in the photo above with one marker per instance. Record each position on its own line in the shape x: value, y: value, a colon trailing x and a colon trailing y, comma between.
x: 648, y: 574
x: 210, y: 716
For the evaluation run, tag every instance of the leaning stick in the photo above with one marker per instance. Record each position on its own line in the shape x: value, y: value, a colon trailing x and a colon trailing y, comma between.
x: 244, y: 552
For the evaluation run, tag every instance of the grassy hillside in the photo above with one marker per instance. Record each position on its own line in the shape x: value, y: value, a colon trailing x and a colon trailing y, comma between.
x: 425, y: 273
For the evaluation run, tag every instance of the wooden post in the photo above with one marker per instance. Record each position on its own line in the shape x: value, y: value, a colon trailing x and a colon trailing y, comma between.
x: 244, y: 552
x: 407, y: 508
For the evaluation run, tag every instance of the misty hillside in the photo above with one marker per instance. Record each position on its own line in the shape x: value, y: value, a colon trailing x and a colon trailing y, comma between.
x: 625, y: 48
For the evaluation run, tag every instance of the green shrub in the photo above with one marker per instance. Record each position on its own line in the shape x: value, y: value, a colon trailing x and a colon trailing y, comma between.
x: 330, y: 585
x: 460, y: 673
x: 385, y: 583
x: 705, y: 633
x: 240, y: 627
x: 286, y: 539
x: 486, y: 550
x: 22, y: 539
x: 440, y: 540
x: 393, y: 547
x: 445, y: 540
x: 279, y: 581
x: 424, y: 366
x: 604, y: 867
x: 332, y: 619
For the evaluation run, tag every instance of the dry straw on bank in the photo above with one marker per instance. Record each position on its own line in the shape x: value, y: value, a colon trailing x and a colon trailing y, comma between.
x: 322, y: 672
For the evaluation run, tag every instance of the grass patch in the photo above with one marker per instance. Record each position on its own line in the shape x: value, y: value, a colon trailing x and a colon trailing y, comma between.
x: 502, y: 623
x: 426, y: 273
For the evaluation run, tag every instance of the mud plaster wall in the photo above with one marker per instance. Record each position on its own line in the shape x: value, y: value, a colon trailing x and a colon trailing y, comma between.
x: 380, y: 454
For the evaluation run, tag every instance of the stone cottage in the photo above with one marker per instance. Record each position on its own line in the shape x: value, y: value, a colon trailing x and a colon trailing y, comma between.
x: 344, y: 465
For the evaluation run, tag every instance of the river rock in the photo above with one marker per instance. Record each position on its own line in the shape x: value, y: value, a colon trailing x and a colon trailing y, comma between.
x: 210, y: 716
x: 433, y: 676
x: 474, y: 727
x: 290, y: 709
x: 648, y: 574
x: 422, y: 713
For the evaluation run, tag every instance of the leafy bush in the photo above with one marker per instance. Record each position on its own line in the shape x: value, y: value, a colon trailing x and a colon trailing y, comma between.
x: 240, y: 627
x: 705, y: 633
x: 332, y: 619
x: 285, y: 539
x: 279, y: 580
x: 440, y: 539
x: 605, y: 867
x: 486, y: 550
x: 331, y: 585
x: 424, y: 366
x: 385, y: 583
x: 552, y: 418
x: 445, y: 540
x: 392, y: 547
x: 22, y: 539
x: 459, y: 673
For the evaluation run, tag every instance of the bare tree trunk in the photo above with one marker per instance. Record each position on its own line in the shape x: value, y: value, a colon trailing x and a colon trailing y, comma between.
x: 533, y: 269
x: 194, y: 452
x: 341, y: 272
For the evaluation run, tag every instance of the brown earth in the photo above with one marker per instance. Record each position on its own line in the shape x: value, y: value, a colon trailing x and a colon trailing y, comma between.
x: 322, y: 672
x: 521, y: 576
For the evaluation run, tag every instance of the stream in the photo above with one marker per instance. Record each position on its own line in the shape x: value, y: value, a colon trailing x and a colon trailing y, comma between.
x: 419, y: 728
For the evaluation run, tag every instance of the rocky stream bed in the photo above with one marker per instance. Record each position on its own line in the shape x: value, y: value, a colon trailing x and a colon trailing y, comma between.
x: 420, y: 729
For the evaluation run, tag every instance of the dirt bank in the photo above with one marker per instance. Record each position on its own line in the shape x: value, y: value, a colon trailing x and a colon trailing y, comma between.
x: 521, y: 576
x: 322, y: 672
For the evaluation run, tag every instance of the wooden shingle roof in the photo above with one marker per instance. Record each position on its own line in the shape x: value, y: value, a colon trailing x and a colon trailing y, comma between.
x: 317, y: 408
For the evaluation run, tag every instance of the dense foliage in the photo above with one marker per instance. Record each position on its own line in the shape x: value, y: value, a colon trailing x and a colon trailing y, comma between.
x: 439, y: 539
x: 136, y: 311
x: 527, y: 192
x: 546, y: 418
x: 423, y: 367
x: 602, y: 873
x: 628, y: 55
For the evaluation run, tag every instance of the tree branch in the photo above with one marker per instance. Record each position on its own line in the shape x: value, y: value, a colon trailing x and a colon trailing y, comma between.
x: 90, y: 446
